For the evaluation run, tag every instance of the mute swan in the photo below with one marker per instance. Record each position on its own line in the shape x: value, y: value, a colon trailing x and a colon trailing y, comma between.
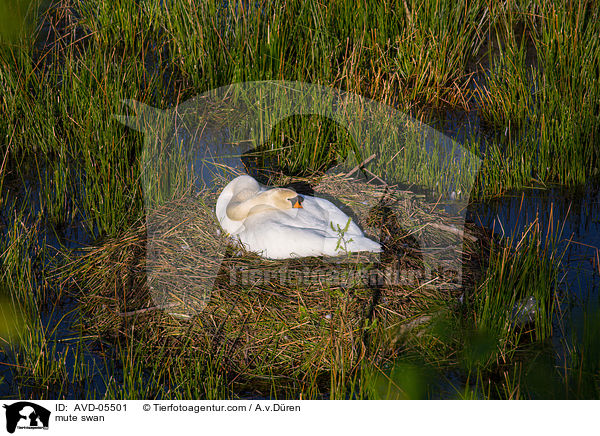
x: 278, y: 223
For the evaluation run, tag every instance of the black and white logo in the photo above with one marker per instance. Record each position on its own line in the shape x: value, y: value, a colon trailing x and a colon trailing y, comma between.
x: 26, y: 415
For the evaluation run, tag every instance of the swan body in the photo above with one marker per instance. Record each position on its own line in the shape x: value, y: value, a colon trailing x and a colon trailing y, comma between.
x: 279, y: 224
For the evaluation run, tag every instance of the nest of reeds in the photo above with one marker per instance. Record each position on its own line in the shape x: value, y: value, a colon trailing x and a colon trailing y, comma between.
x: 178, y: 278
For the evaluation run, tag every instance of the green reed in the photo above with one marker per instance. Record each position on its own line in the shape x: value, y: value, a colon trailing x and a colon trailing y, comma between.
x: 63, y: 83
x: 541, y: 90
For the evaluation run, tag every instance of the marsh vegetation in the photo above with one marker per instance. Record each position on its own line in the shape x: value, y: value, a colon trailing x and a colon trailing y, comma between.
x: 516, y: 82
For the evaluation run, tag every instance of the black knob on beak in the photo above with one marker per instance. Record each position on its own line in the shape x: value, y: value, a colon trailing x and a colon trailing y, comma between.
x: 297, y: 201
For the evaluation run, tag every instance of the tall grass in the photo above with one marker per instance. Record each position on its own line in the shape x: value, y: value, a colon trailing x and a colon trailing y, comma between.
x: 62, y: 83
x: 496, y: 343
x: 415, y: 52
x: 31, y: 359
x: 581, y: 376
x: 541, y: 91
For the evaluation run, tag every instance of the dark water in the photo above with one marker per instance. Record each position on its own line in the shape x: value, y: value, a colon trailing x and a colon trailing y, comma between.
x: 574, y: 216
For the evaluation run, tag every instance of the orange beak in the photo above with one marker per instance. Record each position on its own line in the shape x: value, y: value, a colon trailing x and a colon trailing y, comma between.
x: 297, y: 202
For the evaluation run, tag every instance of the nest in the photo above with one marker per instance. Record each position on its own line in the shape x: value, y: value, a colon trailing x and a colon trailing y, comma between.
x: 180, y: 280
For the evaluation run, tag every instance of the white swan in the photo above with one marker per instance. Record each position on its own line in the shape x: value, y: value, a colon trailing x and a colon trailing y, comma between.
x: 278, y: 223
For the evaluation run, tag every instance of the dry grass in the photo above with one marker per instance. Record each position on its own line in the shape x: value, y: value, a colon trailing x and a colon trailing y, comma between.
x: 316, y: 317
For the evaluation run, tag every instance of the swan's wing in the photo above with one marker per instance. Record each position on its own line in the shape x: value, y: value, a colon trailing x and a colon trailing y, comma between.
x: 284, y: 234
x: 281, y: 241
x: 279, y: 235
x: 331, y: 214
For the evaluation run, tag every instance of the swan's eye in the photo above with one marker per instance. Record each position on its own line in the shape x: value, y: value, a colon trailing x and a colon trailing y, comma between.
x: 296, y: 201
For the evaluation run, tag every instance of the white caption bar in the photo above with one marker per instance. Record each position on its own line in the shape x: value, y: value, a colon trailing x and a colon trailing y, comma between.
x: 250, y: 417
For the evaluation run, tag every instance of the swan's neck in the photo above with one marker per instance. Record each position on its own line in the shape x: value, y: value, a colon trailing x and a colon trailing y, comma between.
x: 240, y: 207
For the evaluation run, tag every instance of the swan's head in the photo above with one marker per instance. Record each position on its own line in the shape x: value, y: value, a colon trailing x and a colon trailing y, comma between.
x: 245, y: 203
x: 284, y: 199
